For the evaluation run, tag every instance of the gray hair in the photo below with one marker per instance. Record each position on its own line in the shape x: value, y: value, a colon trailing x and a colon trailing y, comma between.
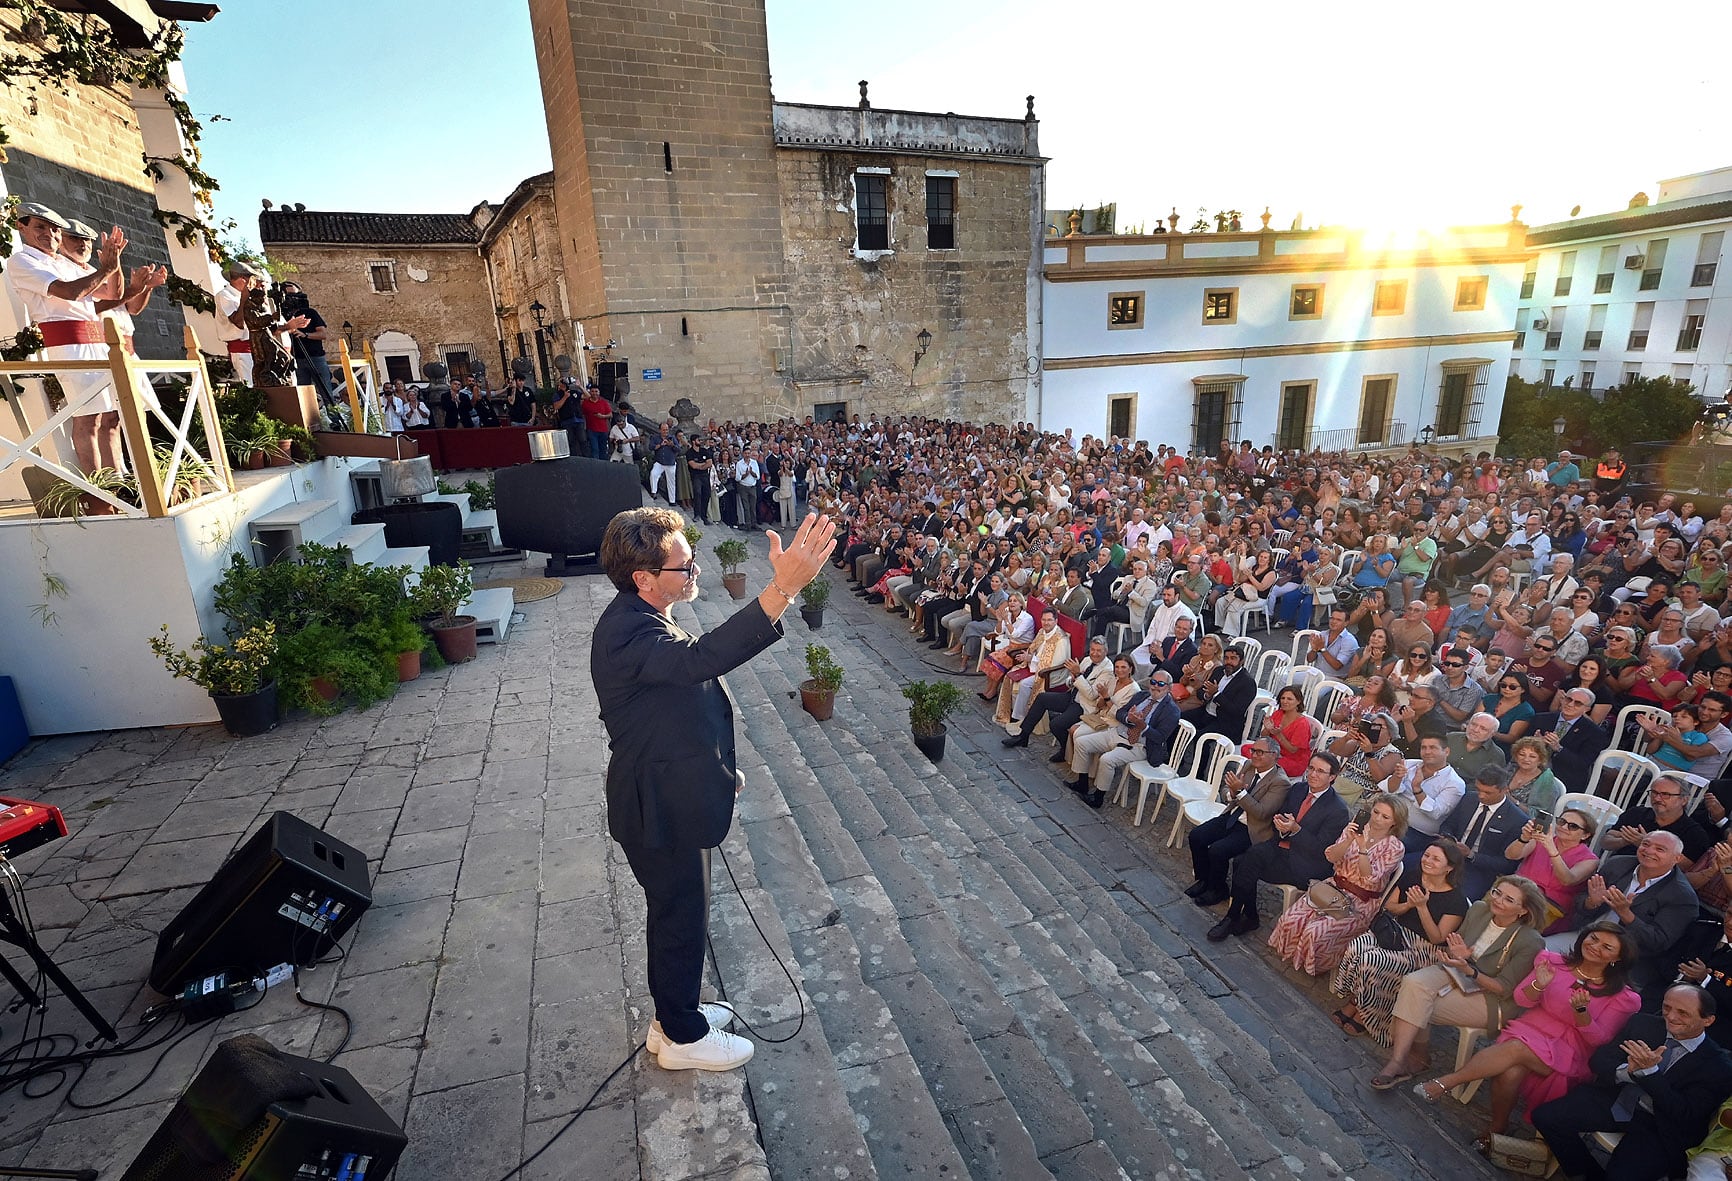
x: 1669, y: 652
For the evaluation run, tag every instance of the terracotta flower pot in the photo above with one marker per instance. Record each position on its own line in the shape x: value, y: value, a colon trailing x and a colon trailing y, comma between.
x: 325, y: 688
x: 456, y: 641
x: 255, y: 461
x: 820, y: 703
x: 408, y: 665
x: 736, y: 584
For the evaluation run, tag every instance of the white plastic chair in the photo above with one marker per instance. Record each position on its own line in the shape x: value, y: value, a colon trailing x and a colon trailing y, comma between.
x: 1116, y: 636
x: 1300, y: 653
x: 1306, y: 678
x: 1258, y: 610
x: 1350, y: 559
x: 1325, y: 736
x: 1145, y: 772
x: 1280, y: 553
x: 1698, y: 788
x: 1198, y: 811
x: 1253, y: 649
x: 1629, y: 771
x: 1325, y: 697
x: 1622, y: 736
x: 1469, y: 1035
x: 1272, y: 669
x: 1602, y: 810
x: 1281, y: 537
x: 1207, y: 751
x: 1261, y: 708
x: 1212, y: 762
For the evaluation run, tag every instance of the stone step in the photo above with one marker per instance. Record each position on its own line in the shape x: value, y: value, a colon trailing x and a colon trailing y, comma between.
x: 365, y: 543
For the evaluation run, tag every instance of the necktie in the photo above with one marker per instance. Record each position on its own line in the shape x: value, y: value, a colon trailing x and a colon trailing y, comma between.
x: 1287, y: 842
x: 1632, y: 1098
x: 1476, y: 830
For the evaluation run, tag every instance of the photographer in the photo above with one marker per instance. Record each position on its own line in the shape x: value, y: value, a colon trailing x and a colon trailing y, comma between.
x: 307, y: 344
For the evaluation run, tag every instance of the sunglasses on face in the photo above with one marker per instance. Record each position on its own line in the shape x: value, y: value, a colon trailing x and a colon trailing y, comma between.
x: 1572, y: 825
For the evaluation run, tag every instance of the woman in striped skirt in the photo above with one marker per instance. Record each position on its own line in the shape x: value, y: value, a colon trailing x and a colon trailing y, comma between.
x: 1427, y: 906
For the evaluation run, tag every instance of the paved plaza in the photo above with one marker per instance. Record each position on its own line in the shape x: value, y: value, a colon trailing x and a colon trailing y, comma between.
x: 995, y: 981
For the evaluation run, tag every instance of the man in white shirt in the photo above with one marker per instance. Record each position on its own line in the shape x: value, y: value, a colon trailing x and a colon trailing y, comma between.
x: 232, y: 320
x: 746, y: 475
x: 59, y: 297
x: 1166, y: 614
x: 1432, y: 789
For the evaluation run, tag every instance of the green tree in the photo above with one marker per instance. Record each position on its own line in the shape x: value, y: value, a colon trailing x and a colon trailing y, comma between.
x: 1529, y: 410
x: 1646, y: 409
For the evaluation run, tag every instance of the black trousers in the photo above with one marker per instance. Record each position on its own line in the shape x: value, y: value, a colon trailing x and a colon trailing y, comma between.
x: 1060, y: 708
x: 1214, y: 844
x: 936, y: 610
x: 1267, y: 861
x: 1115, y: 613
x: 1640, y: 1155
x: 701, y: 495
x: 676, y: 885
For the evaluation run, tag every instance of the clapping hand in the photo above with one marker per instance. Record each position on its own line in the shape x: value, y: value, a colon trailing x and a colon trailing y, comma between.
x: 1544, y: 973
x: 1694, y: 971
x: 1641, y: 1056
x: 1620, y: 904
x: 108, y: 254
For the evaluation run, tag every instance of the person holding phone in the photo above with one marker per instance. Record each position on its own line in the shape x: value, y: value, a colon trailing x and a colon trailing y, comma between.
x: 1365, y: 856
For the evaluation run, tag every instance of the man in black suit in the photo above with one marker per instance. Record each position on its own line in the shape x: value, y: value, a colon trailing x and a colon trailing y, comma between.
x: 1574, y: 739
x: 1312, y: 818
x: 1100, y: 576
x: 671, y: 778
x: 1482, y: 825
x: 1710, y: 966
x: 1229, y: 691
x: 1659, y: 1082
x: 1655, y: 905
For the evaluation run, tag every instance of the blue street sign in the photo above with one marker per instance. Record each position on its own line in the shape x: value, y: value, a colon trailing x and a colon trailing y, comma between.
x: 652, y: 374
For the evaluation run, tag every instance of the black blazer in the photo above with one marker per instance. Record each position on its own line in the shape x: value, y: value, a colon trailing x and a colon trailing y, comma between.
x: 670, y: 721
x: 1577, y: 750
x: 1231, y: 706
x: 1319, y: 829
x: 1663, y: 914
x: 1685, y: 1098
x: 1489, y: 864
x: 1182, y: 653
x: 1101, y: 585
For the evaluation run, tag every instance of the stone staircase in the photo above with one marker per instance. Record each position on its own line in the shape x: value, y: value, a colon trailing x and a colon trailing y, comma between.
x: 986, y: 989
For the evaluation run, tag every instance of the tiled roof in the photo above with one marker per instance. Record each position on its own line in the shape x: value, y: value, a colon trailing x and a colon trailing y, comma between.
x: 311, y: 225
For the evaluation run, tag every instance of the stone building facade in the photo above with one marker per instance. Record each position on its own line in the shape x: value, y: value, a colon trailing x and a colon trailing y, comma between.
x: 413, y: 286
x: 520, y: 247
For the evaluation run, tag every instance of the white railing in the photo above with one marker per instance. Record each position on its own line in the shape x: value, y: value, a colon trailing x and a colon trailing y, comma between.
x: 168, y: 476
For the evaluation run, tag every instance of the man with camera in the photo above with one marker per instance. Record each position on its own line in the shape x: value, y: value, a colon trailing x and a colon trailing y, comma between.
x: 307, y: 343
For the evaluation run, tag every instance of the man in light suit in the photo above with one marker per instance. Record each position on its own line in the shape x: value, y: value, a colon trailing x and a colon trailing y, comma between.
x: 1659, y: 1082
x: 1311, y: 819
x: 671, y: 778
x: 1253, y: 797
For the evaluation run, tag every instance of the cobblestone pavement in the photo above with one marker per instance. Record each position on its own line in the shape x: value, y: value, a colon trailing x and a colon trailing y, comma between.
x: 993, y: 980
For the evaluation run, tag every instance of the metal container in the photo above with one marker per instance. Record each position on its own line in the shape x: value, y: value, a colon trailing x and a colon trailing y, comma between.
x: 549, y: 445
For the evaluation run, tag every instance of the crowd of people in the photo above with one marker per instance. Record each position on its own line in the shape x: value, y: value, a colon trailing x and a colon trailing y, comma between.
x: 1486, y: 623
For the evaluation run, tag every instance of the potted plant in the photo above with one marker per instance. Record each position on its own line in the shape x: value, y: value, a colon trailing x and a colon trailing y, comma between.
x: 693, y: 536
x: 237, y: 675
x: 397, y: 638
x: 731, y: 554
x: 818, y: 693
x: 437, y: 598
x: 813, y: 598
x: 929, y: 703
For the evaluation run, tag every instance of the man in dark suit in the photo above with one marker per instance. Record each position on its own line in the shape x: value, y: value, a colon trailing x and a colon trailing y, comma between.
x: 1482, y: 825
x: 1574, y: 739
x: 1101, y: 575
x: 1655, y: 905
x: 1709, y: 946
x: 1659, y: 1082
x: 1228, y: 692
x: 1313, y: 816
x: 1253, y: 796
x: 671, y: 778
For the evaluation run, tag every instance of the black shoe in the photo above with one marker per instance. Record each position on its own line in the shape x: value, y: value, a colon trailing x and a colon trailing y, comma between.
x: 1018, y: 740
x: 875, y: 599
x: 1210, y: 897
x: 1080, y: 785
x: 1057, y: 756
x: 1196, y: 888
x: 1095, y: 799
x: 1223, y: 930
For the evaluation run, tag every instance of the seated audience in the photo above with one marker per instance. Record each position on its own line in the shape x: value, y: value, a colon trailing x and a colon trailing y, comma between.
x: 1314, y: 932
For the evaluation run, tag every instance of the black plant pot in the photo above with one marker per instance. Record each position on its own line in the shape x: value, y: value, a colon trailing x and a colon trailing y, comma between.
x: 247, y: 714
x: 932, y: 745
x: 814, y: 617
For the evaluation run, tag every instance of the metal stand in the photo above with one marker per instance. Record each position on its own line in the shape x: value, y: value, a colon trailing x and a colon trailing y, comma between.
x: 13, y: 931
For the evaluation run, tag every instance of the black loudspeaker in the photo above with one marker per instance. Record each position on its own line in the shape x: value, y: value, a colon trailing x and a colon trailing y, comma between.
x: 562, y: 506
x: 436, y: 524
x: 287, y: 895
x: 255, y: 1113
x: 614, y: 378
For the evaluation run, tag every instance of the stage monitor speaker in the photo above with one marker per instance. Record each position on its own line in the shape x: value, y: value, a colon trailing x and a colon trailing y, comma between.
x: 609, y: 374
x: 255, y: 1113
x: 287, y: 895
x: 562, y: 506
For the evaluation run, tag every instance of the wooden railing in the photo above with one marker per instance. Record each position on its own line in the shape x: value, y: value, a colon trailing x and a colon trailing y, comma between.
x: 158, y: 470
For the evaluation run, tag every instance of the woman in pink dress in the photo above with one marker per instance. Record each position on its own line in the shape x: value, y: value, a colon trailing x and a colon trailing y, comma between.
x: 1559, y: 862
x: 1576, y: 1003
x: 1367, y: 854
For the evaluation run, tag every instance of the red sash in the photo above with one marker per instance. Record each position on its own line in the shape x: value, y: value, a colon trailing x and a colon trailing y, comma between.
x: 240, y: 346
x: 57, y: 332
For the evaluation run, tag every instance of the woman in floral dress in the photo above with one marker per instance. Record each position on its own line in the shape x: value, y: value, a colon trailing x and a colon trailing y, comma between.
x: 1364, y: 859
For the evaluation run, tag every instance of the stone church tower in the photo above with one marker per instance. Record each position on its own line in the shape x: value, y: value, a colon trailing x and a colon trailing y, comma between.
x: 664, y: 159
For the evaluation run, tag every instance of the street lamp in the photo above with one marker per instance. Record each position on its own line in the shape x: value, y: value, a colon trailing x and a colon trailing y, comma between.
x: 349, y: 334
x: 922, y: 343
x: 1558, y: 425
x: 1426, y: 435
x: 539, y: 312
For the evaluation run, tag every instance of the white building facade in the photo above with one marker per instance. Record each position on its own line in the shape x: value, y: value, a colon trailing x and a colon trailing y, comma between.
x: 1299, y: 339
x: 1635, y: 293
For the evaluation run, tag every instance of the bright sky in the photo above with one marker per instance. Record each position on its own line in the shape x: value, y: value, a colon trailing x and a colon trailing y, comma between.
x: 1349, y: 112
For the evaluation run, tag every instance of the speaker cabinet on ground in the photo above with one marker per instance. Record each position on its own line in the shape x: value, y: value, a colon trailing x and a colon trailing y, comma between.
x: 287, y: 895
x: 562, y: 506
x: 255, y: 1113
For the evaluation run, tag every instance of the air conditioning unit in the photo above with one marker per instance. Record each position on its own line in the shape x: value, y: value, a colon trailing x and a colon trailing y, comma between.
x: 1541, y: 323
x: 1634, y: 262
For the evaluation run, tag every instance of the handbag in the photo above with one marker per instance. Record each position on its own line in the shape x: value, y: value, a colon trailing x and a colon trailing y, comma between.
x: 1388, y: 931
x: 1329, y: 899
x: 1524, y: 1158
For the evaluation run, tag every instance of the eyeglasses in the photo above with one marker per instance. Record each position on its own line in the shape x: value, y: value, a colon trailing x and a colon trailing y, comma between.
x: 690, y: 569
x: 1455, y: 664
x: 1573, y: 825
x: 1666, y: 795
x: 1545, y: 647
x: 1419, y: 654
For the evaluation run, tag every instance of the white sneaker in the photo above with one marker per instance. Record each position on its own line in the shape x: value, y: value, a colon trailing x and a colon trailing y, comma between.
x: 716, y: 1050
x: 720, y: 1016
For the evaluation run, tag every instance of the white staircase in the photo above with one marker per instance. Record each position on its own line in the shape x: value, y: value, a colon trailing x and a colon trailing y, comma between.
x: 282, y: 531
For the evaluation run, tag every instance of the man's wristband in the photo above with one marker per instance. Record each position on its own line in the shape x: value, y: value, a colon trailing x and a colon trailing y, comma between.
x: 788, y: 598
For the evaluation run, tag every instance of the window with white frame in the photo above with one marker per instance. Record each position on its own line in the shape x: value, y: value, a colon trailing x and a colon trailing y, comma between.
x: 383, y: 273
